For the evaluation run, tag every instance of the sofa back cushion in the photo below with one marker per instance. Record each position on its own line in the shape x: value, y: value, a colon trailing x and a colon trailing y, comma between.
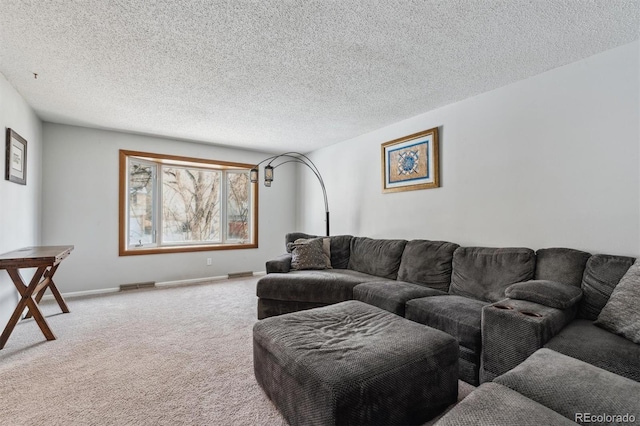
x: 562, y: 265
x: 427, y: 263
x: 340, y: 251
x: 376, y: 257
x: 484, y: 273
x: 602, y: 274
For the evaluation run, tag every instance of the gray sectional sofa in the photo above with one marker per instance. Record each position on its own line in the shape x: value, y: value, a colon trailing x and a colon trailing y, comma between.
x: 501, y: 304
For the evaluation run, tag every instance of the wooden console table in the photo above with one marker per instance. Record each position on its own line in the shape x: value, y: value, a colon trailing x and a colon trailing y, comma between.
x: 46, y: 259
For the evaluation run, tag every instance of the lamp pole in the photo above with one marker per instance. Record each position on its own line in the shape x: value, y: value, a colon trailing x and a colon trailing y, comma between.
x: 290, y: 157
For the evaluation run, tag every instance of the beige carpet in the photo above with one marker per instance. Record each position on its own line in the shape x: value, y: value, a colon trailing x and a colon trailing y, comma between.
x: 168, y: 356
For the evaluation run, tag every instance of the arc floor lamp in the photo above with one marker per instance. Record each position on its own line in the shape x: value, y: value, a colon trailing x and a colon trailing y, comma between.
x: 289, y: 157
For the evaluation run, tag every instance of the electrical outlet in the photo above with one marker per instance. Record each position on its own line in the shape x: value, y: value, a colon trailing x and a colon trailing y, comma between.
x: 208, y: 261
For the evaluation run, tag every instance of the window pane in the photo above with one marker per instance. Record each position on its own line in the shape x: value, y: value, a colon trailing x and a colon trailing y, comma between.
x: 173, y: 204
x: 140, y: 204
x: 238, y: 191
x: 190, y: 205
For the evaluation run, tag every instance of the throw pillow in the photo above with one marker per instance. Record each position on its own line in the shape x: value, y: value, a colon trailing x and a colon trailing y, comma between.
x: 293, y: 236
x: 621, y: 314
x: 313, y: 253
x: 326, y: 248
x: 547, y: 293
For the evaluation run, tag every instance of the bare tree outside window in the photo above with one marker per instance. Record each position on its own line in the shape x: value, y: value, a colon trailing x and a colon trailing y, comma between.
x: 238, y: 207
x: 140, y: 204
x: 190, y: 205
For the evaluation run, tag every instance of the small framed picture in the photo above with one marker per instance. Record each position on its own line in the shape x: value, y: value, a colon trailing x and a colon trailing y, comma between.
x: 411, y: 162
x: 16, y: 158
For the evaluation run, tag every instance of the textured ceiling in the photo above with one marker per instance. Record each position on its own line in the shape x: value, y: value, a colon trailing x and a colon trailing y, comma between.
x: 276, y: 75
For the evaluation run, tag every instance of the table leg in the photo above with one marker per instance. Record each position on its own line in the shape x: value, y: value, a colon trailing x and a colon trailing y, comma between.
x: 26, y: 301
x: 58, y: 297
x: 48, y: 278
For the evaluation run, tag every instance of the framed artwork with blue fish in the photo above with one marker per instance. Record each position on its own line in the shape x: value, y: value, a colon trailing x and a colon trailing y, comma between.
x: 411, y: 162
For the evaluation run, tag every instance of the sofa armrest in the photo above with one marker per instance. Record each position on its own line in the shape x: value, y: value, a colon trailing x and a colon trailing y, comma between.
x: 281, y: 264
x: 514, y: 329
x: 544, y: 292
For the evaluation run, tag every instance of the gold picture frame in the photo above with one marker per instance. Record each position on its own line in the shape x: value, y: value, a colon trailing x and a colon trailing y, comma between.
x: 411, y: 162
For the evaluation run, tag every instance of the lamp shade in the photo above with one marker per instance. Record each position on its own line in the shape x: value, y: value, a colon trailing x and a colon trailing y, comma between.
x: 253, y: 175
x: 268, y: 175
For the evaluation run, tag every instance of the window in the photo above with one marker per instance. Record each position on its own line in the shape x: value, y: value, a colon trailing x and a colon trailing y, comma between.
x: 177, y: 204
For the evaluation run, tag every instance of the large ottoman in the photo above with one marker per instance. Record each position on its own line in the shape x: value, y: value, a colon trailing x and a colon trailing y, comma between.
x: 353, y: 363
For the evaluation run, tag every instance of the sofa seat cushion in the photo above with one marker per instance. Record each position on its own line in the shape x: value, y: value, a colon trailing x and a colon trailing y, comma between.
x: 571, y: 387
x: 583, y: 340
x: 484, y: 273
x: 494, y: 404
x: 326, y: 286
x: 459, y: 316
x: 392, y: 295
x: 427, y: 263
x: 376, y: 257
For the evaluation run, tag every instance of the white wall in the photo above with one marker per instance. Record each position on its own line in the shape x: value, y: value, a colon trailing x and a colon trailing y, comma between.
x: 548, y: 161
x: 80, y: 204
x: 19, y: 204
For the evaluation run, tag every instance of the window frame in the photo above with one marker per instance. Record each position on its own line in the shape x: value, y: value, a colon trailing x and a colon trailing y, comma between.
x: 179, y: 161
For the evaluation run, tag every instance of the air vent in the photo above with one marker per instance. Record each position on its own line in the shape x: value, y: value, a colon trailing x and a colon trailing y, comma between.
x: 241, y: 274
x: 136, y: 286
